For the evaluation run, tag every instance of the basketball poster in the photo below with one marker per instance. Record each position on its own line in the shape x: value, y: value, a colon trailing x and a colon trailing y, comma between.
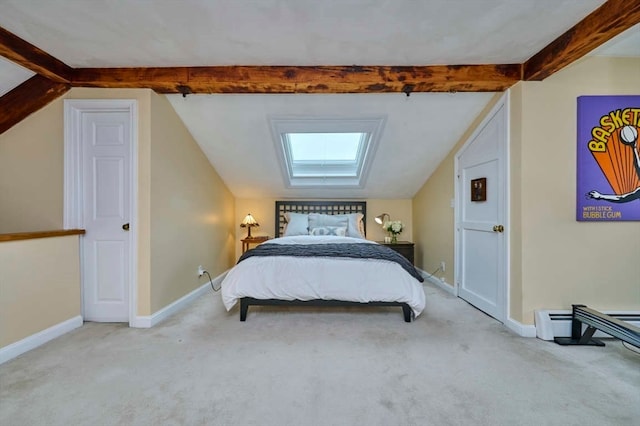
x: 608, y: 158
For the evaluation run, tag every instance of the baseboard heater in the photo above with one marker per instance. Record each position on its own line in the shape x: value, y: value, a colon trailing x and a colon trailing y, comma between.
x: 557, y: 323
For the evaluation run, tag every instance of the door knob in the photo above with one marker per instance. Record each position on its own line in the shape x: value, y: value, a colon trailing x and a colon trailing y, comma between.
x: 126, y: 227
x: 498, y: 228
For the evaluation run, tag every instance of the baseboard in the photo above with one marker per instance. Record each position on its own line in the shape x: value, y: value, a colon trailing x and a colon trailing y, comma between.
x: 523, y: 330
x: 557, y: 323
x: 437, y: 281
x: 28, y: 343
x: 164, y: 313
x: 520, y: 329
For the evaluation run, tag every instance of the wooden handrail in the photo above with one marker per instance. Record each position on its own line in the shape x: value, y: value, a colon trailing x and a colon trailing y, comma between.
x: 40, y: 234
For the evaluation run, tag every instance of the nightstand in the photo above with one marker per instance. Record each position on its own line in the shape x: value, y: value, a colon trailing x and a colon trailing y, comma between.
x: 405, y: 248
x: 253, y: 240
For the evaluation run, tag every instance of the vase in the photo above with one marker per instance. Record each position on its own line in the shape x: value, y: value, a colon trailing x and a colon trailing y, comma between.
x: 394, y: 239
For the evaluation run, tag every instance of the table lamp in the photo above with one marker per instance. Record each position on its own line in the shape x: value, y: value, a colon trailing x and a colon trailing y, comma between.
x: 249, y: 222
x: 380, y: 218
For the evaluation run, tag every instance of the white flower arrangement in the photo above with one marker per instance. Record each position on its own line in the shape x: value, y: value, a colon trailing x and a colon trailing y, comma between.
x: 394, y: 227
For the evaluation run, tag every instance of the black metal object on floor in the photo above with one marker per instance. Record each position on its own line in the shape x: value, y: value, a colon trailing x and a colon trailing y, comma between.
x: 594, y: 321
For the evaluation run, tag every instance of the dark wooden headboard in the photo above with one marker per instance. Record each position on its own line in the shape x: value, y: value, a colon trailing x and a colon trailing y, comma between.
x: 323, y: 207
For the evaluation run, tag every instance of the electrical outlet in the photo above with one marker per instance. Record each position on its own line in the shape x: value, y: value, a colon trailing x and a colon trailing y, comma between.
x: 442, y: 268
x: 200, y: 271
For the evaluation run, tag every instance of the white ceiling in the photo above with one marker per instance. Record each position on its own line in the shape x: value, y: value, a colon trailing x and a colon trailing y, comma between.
x: 12, y: 75
x: 626, y: 44
x: 234, y: 133
x: 233, y: 130
x: 103, y: 33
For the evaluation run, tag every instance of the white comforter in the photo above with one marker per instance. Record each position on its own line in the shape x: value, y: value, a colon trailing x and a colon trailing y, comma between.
x: 307, y: 278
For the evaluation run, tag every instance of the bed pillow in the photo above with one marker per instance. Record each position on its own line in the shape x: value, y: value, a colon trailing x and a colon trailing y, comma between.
x: 355, y: 228
x: 297, y: 224
x: 353, y: 222
x: 339, y: 231
x: 318, y: 220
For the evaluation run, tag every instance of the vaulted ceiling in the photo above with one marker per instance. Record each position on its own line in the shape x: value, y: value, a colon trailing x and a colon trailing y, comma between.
x: 241, y: 62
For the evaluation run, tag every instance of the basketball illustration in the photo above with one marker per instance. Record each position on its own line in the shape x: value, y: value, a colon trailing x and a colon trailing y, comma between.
x: 616, y: 160
x: 628, y: 135
x: 608, y: 158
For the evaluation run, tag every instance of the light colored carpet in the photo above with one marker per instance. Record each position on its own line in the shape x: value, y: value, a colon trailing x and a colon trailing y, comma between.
x: 298, y: 366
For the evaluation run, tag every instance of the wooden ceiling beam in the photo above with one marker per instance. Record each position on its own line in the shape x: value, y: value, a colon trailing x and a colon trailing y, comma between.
x: 305, y: 79
x: 162, y: 80
x: 606, y: 22
x: 27, y: 98
x: 612, y: 18
x: 29, y: 56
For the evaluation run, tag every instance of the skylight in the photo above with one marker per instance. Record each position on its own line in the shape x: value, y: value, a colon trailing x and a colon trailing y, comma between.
x: 326, y: 152
x: 318, y: 147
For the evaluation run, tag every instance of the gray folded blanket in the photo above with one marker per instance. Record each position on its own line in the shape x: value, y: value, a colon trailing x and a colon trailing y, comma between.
x: 355, y: 250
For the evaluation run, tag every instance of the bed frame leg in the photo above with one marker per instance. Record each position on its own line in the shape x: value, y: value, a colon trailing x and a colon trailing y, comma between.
x: 244, y: 307
x: 408, y: 313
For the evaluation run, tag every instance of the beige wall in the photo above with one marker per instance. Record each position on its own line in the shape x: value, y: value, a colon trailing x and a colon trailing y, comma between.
x: 515, y: 200
x: 565, y: 261
x: 263, y: 210
x: 37, y: 288
x: 434, y: 225
x: 32, y: 162
x: 192, y: 211
x: 554, y: 260
x: 32, y: 184
x: 32, y: 172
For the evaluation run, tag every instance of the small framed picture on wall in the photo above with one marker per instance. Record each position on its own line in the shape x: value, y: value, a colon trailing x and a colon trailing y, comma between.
x: 479, y: 189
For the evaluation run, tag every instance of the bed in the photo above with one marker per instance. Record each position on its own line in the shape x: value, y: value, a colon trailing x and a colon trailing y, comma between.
x: 319, y: 257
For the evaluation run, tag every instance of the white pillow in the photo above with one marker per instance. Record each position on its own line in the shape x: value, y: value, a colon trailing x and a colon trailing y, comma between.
x: 339, y: 231
x: 355, y: 228
x: 297, y: 224
x: 352, y: 221
x: 317, y: 220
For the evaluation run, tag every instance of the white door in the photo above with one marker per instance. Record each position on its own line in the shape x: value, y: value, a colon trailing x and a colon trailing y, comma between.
x: 481, y: 272
x: 106, y: 146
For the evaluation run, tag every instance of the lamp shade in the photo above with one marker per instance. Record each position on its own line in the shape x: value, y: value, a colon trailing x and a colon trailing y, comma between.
x: 249, y: 222
x: 380, y: 218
